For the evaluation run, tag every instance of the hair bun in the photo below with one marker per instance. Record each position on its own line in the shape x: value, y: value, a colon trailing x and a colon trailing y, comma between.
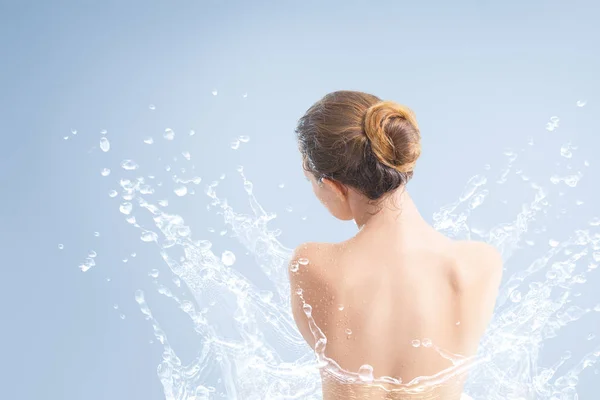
x: 394, y: 135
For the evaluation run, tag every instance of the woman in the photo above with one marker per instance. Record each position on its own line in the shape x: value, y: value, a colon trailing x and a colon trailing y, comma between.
x: 387, y: 298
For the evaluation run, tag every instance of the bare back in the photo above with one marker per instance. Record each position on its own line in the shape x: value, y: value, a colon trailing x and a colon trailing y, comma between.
x: 380, y: 300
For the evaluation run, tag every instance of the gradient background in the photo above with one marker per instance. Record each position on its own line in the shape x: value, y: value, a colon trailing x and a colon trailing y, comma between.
x: 481, y: 76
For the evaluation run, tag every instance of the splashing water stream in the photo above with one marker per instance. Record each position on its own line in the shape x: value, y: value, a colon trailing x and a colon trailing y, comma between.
x: 253, y: 351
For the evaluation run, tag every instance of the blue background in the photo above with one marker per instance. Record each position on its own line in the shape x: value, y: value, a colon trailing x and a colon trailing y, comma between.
x: 481, y: 76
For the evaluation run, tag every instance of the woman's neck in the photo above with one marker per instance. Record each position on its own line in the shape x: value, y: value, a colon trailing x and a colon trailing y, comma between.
x: 396, y: 209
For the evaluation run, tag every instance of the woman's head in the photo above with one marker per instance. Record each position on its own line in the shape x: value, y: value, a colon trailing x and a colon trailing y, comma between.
x: 355, y: 141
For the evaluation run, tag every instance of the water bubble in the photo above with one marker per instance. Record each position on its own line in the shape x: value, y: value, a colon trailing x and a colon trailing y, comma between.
x: 113, y: 193
x: 149, y: 140
x: 153, y: 273
x: 581, y: 103
x: 415, y: 343
x: 515, y: 296
x: 105, y: 172
x: 152, y: 107
x: 228, y: 258
x: 169, y: 134
x: 148, y: 236
x: 126, y: 208
x: 244, y: 138
x: 181, y: 190
x: 365, y: 373
x: 129, y: 165
x: 235, y: 144
x: 215, y: 92
x: 104, y: 144
x: 61, y: 246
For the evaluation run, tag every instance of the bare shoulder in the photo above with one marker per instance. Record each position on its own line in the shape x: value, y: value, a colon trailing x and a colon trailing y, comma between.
x: 478, y: 260
x: 309, y: 283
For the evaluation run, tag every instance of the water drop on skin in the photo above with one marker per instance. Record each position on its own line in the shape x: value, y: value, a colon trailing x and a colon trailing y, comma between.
x: 365, y: 373
x: 228, y: 258
x: 303, y: 261
x: 341, y: 307
x: 416, y: 343
x: 348, y: 331
x: 294, y: 267
x: 426, y: 342
x: 104, y: 144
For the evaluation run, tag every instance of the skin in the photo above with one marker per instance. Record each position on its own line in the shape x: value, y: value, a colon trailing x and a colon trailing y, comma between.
x: 396, y: 280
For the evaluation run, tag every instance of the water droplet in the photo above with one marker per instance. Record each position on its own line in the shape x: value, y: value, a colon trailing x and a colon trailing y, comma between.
x: 104, y: 144
x: 186, y: 155
x: 235, y: 144
x: 129, y: 165
x: 340, y: 307
x: 105, y: 172
x: 581, y: 103
x: 61, y: 246
x: 244, y: 138
x: 281, y: 185
x: 365, y: 373
x: 92, y: 254
x: 299, y: 291
x: 595, y: 221
x: 228, y: 258
x: 348, y: 331
x: 149, y: 236
x: 66, y: 137
x: 303, y: 261
x: 149, y: 140
x: 103, y: 132
x: 152, y: 107
x: 515, y: 296
x: 126, y: 208
x: 415, y: 343
x: 294, y: 267
x: 169, y: 134
x: 553, y: 243
x: 245, y: 95
x: 289, y: 209
x: 122, y: 316
x: 97, y: 234
x: 457, y: 323
x: 215, y: 92
x: 565, y: 150
x: 154, y: 273
x: 163, y: 203
x: 181, y: 190
x: 192, y: 132
x: 591, y: 336
x: 426, y: 342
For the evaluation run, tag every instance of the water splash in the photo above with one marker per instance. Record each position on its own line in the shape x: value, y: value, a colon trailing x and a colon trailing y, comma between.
x: 253, y: 350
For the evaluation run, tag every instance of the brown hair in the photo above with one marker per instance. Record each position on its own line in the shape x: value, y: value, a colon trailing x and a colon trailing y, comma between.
x: 359, y: 140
